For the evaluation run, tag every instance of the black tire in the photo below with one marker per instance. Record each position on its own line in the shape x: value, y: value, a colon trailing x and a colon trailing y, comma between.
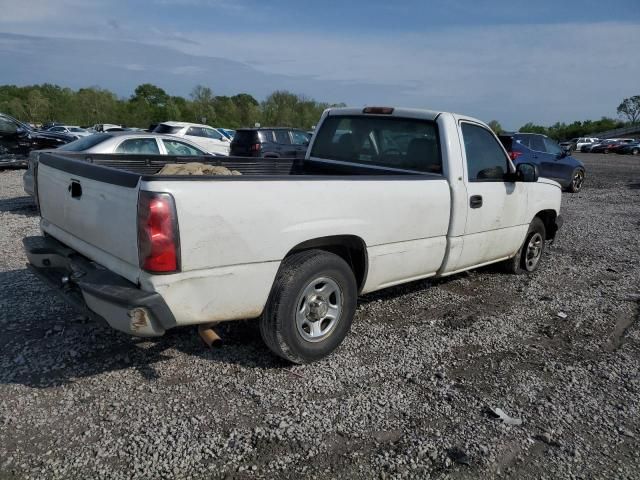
x: 577, y: 180
x: 635, y: 151
x: 520, y: 263
x: 606, y: 150
x: 279, y: 325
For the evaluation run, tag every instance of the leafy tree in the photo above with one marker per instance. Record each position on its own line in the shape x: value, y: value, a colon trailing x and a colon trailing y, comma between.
x: 203, y: 104
x: 630, y: 108
x: 495, y: 126
x: 532, y: 128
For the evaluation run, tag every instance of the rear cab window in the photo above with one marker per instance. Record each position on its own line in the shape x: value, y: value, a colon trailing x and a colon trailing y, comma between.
x: 393, y: 142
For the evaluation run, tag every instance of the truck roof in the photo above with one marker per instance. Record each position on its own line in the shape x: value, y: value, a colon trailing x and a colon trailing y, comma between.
x: 397, y: 112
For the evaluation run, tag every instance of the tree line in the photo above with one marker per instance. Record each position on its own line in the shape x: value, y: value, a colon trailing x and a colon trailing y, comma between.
x: 629, y: 110
x: 151, y: 104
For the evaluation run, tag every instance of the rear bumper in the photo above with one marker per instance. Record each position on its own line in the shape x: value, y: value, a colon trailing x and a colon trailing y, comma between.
x: 97, y: 291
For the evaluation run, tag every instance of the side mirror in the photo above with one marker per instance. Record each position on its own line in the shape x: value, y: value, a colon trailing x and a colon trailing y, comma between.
x: 527, y: 172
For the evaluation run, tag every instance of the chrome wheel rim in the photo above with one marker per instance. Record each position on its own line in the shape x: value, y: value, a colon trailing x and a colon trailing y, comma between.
x: 318, y: 309
x: 578, y: 178
x: 534, y: 251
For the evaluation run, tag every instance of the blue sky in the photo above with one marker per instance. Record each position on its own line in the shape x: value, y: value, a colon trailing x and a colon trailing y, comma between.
x: 515, y: 61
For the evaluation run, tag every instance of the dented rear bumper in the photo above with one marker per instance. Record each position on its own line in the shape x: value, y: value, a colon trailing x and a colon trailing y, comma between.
x: 97, y: 291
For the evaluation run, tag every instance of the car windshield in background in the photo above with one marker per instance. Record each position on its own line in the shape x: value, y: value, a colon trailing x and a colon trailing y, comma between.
x: 166, y: 129
x: 85, y: 142
x: 402, y: 143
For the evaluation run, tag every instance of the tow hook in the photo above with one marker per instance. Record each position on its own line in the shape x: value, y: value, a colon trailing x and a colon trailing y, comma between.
x: 208, y: 334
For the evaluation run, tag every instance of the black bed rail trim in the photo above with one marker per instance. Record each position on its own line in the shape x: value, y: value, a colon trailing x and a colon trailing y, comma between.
x: 108, y: 168
x: 91, y: 171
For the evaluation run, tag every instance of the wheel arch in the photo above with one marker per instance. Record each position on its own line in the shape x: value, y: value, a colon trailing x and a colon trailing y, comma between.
x: 351, y: 248
x: 549, y: 218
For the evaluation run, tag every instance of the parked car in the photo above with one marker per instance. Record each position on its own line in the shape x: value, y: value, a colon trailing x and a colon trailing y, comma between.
x: 270, y: 142
x: 629, y: 148
x: 608, y: 146
x: 553, y: 162
x: 584, y: 141
x: 291, y: 242
x: 207, y: 137
x: 104, y: 127
x: 569, y: 145
x: 17, y: 140
x: 119, y: 142
x: 227, y: 132
x: 70, y: 129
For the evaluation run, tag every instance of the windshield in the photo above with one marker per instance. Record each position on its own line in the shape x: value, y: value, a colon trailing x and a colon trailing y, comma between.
x: 85, y: 142
x: 403, y: 143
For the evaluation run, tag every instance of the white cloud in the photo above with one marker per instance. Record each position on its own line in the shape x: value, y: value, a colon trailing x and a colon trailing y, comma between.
x: 541, y: 73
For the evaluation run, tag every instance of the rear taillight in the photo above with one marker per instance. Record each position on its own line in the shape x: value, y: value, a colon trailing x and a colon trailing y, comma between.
x: 514, y: 155
x: 255, y: 147
x: 158, y: 241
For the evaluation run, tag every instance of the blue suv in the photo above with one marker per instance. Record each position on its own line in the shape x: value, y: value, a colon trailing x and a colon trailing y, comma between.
x: 553, y: 162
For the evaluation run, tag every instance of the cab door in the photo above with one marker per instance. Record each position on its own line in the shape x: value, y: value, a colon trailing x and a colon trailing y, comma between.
x: 496, y: 208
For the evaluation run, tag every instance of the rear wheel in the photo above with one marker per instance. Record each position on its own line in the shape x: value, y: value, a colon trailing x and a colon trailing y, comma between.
x: 606, y: 150
x: 577, y: 179
x: 528, y: 257
x: 635, y: 151
x: 311, y: 306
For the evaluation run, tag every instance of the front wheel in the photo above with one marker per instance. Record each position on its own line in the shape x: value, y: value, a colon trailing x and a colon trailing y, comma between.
x: 635, y: 151
x: 311, y: 306
x: 528, y: 257
x: 577, y: 179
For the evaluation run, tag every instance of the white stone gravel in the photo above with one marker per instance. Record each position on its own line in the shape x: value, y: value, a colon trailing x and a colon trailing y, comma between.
x: 407, y: 396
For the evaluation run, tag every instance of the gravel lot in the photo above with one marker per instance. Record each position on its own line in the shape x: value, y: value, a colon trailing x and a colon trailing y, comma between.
x: 407, y: 396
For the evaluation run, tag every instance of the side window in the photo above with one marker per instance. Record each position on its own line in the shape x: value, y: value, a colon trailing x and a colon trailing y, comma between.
x: 7, y: 126
x: 523, y: 140
x: 195, y: 132
x: 282, y: 137
x: 56, y: 129
x: 551, y: 146
x: 486, y: 161
x: 300, y: 138
x: 537, y: 143
x: 211, y: 133
x: 174, y: 147
x: 142, y: 146
x: 266, y: 136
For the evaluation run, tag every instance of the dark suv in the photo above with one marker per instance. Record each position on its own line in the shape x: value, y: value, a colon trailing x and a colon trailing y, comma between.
x: 552, y: 160
x: 17, y: 139
x: 270, y: 143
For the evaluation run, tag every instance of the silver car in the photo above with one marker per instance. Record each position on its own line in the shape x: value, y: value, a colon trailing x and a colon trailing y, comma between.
x: 131, y: 143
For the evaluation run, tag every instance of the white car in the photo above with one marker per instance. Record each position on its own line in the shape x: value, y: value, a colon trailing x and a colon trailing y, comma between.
x: 584, y: 142
x: 71, y: 130
x: 130, y: 143
x: 396, y: 195
x: 207, y: 137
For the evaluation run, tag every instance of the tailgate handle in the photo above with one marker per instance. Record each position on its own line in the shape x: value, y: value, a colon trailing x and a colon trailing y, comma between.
x: 76, y: 189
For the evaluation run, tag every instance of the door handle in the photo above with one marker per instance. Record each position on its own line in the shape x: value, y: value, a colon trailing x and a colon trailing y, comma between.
x: 475, y: 201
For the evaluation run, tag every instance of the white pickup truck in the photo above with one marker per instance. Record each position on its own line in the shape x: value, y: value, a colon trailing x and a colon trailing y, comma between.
x: 384, y: 196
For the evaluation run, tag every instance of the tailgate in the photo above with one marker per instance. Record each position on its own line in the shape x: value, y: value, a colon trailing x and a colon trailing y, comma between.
x: 92, y: 209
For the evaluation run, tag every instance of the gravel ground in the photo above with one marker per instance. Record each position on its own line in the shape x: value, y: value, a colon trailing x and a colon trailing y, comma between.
x: 408, y: 395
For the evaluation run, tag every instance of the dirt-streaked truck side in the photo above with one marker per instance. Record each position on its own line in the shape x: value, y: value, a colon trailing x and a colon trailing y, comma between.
x: 384, y: 196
